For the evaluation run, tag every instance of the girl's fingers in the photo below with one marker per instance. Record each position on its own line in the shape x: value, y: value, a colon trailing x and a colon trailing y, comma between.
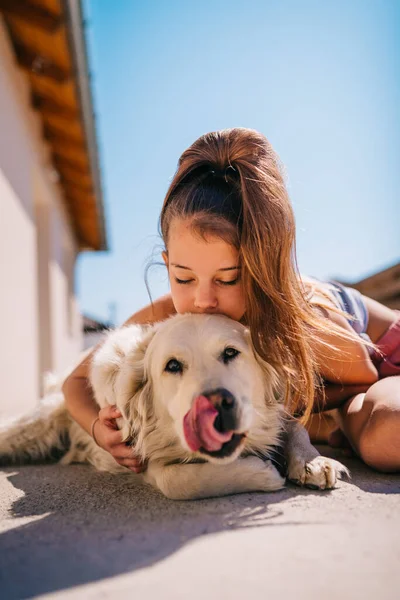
x: 120, y: 454
x: 120, y: 451
x: 124, y: 452
x: 115, y: 438
x: 119, y: 448
x: 337, y: 439
x: 132, y: 464
x: 109, y: 412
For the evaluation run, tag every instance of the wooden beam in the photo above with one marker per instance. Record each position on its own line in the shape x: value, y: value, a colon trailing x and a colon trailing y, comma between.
x: 40, y: 64
x: 381, y: 277
x: 49, y: 106
x: 382, y: 291
x: 61, y: 162
x: 56, y: 136
x: 73, y: 177
x: 76, y: 186
x: 31, y: 13
x: 87, y: 240
x: 81, y: 198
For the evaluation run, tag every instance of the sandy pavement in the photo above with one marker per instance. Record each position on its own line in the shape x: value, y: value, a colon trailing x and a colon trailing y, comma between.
x: 70, y: 532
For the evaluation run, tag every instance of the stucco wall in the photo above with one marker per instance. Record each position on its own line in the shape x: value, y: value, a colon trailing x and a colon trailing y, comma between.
x: 38, y: 310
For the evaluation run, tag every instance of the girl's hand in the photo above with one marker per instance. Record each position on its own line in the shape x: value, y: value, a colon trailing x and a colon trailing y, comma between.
x: 107, y: 435
x: 337, y: 439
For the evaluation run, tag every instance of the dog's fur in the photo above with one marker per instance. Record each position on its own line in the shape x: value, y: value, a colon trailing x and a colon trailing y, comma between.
x: 129, y: 371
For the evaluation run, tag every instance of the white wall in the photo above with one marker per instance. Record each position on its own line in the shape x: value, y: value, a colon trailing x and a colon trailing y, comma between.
x: 40, y: 322
x: 59, y: 316
x: 19, y: 372
x: 18, y: 283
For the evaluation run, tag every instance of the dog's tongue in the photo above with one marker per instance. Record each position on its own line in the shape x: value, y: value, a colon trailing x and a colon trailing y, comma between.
x: 198, y: 427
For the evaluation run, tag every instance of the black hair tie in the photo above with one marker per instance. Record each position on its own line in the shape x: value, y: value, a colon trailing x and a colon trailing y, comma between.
x: 222, y: 173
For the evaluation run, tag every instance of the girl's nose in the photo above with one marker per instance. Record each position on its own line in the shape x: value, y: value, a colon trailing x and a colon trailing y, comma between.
x: 205, y: 298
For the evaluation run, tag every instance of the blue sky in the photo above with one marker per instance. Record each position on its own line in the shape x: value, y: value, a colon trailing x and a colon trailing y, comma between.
x: 320, y: 80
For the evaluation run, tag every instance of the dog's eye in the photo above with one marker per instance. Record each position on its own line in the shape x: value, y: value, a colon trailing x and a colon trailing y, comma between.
x: 174, y: 366
x: 229, y: 354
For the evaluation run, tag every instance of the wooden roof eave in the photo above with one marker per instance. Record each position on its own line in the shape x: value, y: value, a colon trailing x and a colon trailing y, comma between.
x: 49, y: 44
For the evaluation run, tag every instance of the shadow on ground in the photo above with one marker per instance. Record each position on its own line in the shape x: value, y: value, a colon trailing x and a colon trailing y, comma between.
x: 73, y: 525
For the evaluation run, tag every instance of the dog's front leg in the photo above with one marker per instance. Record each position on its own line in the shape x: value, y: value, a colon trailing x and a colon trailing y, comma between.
x: 204, y: 480
x: 305, y: 464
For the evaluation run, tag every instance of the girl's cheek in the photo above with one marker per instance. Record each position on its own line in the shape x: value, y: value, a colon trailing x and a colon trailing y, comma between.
x: 239, y: 305
x: 180, y: 299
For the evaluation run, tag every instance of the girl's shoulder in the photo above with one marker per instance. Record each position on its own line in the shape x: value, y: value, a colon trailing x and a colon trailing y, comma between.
x: 160, y: 309
x: 342, y: 356
x: 319, y: 293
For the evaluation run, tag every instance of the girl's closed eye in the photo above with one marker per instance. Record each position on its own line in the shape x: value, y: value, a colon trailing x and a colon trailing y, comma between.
x: 231, y: 282
x: 186, y: 281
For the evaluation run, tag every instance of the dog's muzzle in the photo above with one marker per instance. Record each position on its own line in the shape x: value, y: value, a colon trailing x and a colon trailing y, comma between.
x: 211, y: 425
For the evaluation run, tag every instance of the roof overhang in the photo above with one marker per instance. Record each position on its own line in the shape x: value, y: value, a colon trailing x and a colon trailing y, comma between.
x: 49, y: 43
x: 383, y: 286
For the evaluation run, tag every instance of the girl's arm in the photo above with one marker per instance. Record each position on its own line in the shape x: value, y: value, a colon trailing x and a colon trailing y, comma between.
x: 334, y: 395
x: 76, y: 388
x: 340, y: 360
x: 79, y: 397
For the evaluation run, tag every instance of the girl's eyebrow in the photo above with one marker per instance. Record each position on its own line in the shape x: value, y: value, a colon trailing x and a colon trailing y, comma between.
x: 189, y: 269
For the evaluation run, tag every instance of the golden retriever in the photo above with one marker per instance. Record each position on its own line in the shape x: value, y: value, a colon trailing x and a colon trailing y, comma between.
x: 198, y: 404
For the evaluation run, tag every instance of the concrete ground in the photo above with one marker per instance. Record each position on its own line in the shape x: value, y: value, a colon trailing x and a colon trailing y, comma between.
x: 70, y: 532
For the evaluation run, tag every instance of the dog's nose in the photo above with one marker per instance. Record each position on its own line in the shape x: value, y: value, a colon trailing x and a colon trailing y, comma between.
x: 225, y: 403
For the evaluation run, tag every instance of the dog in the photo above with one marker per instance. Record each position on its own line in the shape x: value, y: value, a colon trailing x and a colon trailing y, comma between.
x: 197, y: 403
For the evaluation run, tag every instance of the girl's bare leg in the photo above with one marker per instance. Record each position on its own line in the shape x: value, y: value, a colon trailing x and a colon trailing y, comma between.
x: 371, y: 422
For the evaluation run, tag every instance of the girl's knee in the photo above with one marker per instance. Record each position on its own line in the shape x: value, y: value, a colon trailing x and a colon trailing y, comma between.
x: 379, y: 444
x: 385, y: 393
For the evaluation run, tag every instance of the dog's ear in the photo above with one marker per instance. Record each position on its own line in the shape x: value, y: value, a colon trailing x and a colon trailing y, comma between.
x: 133, y: 393
x: 125, y: 344
x: 118, y: 377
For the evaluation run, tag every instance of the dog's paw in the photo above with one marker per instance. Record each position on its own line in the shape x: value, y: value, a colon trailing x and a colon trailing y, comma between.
x: 321, y: 473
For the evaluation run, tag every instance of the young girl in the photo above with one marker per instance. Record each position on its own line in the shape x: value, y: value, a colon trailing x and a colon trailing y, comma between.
x: 229, y: 235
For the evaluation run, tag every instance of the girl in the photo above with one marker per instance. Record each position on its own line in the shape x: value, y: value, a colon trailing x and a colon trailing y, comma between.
x: 229, y: 235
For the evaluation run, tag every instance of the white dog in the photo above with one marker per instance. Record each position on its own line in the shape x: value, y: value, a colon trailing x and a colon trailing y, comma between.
x: 197, y: 404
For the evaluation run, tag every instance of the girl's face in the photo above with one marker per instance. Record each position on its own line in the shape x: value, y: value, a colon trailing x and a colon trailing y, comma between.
x: 204, y: 274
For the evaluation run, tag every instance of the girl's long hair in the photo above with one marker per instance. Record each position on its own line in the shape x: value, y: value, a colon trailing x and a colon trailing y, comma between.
x: 230, y: 184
